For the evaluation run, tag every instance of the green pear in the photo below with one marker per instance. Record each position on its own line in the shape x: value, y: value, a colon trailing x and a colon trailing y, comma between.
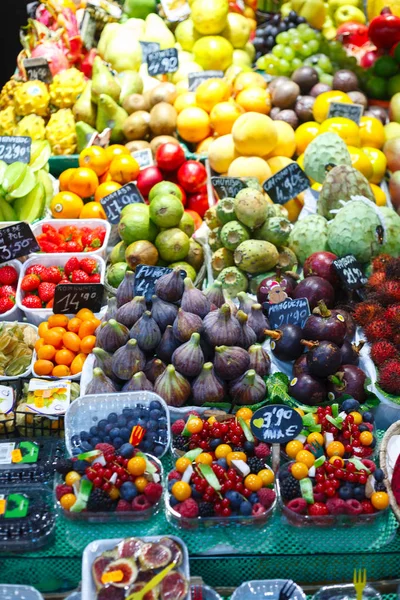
x: 83, y: 134
x: 157, y: 31
x: 84, y: 109
x: 103, y: 82
x: 111, y: 115
x: 131, y: 83
x: 109, y: 30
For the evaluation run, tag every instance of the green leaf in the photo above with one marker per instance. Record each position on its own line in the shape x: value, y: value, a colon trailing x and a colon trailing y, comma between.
x: 277, y: 389
x: 246, y: 430
x: 210, y: 476
x: 226, y: 406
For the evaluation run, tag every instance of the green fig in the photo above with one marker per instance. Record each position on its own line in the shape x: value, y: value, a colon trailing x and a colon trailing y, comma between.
x: 111, y: 115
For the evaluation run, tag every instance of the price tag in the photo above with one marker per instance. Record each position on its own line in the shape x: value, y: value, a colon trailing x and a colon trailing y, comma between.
x: 349, y: 111
x: 38, y: 68
x: 146, y: 277
x: 17, y: 240
x: 88, y: 30
x: 162, y: 61
x: 195, y: 79
x: 100, y: 139
x: 144, y: 158
x: 276, y: 424
x: 350, y: 272
x: 15, y: 148
x: 31, y: 9
x: 115, y: 202
x: 69, y: 298
x: 227, y: 187
x: 286, y: 184
x: 290, y: 311
x: 175, y: 11
x: 147, y: 48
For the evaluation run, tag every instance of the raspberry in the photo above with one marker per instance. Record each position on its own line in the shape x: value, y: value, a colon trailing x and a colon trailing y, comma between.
x: 367, y: 507
x: 262, y: 450
x: 178, y: 427
x: 123, y: 506
x: 63, y: 489
x: 318, y: 509
x: 153, y: 492
x: 389, y: 376
x: 258, y: 509
x: 105, y: 448
x: 336, y: 506
x: 379, y: 329
x: 319, y: 497
x: 383, y: 351
x: 266, y: 497
x: 353, y: 507
x: 175, y: 475
x: 188, y: 508
x: 298, y: 505
x: 140, y: 503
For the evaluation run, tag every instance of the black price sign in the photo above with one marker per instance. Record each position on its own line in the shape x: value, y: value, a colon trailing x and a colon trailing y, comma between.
x: 195, y: 79
x: 144, y: 158
x: 227, y: 187
x: 148, y: 48
x: 276, y: 424
x: 290, y: 311
x: 146, y: 277
x: 286, y: 184
x: 15, y: 148
x: 350, y: 272
x: 115, y: 202
x: 38, y: 68
x: 162, y: 61
x: 69, y: 298
x: 17, y: 240
x: 349, y: 111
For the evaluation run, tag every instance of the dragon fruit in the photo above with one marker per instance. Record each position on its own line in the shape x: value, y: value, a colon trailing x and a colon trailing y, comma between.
x: 66, y: 87
x: 54, y: 54
x: 32, y: 97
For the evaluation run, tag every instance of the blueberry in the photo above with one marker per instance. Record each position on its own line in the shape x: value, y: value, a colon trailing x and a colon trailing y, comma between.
x: 76, y: 451
x: 128, y: 412
x: 135, y: 413
x: 152, y: 425
x: 94, y: 430
x: 158, y: 451
x: 363, y: 428
x: 155, y: 405
x: 76, y: 440
x: 234, y: 497
x: 112, y: 418
x: 95, y: 440
x: 162, y: 436
x: 379, y: 475
x: 102, y: 424
x: 350, y: 405
x: 359, y: 493
x: 248, y: 447
x: 126, y: 450
x: 80, y: 466
x: 245, y: 508
x: 108, y: 427
x: 122, y: 421
x: 222, y: 462
x: 195, y: 494
x: 84, y: 435
x: 117, y: 442
x: 125, y: 433
x: 131, y: 424
x: 215, y: 443
x: 368, y: 417
x: 142, y: 423
x: 346, y: 492
x: 163, y: 421
x: 86, y: 447
x: 155, y: 414
x: 373, y: 444
x: 147, y: 446
x: 107, y: 439
x: 253, y: 498
x: 114, y: 432
x: 173, y: 501
x: 171, y: 483
x: 128, y: 491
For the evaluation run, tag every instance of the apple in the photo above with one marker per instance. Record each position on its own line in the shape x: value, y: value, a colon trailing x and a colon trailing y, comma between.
x: 148, y: 179
x: 394, y: 189
x: 391, y: 150
x: 394, y: 108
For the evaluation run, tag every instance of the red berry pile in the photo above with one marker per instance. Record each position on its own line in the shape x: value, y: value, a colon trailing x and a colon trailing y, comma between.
x: 8, y: 288
x: 70, y: 238
x: 39, y: 282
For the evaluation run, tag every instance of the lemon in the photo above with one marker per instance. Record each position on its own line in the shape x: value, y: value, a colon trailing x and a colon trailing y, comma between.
x: 211, y: 92
x: 210, y: 16
x: 241, y: 58
x: 322, y: 102
x: 347, y: 129
x: 213, y: 52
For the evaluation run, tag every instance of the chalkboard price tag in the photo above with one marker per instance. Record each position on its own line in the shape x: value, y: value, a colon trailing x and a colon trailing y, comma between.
x: 227, y: 187
x: 15, y: 148
x: 162, y: 61
x: 38, y: 68
x: 115, y: 202
x: 195, y: 79
x: 350, y: 272
x: 147, y: 48
x: 349, y: 111
x: 276, y: 424
x: 286, y: 184
x: 290, y: 311
x: 69, y: 298
x: 144, y: 158
x: 146, y: 277
x: 17, y: 240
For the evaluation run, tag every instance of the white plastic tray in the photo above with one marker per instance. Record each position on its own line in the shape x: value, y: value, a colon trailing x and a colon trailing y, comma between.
x: 98, y: 547
x: 269, y: 588
x: 19, y: 592
x: 345, y: 592
x: 14, y: 314
x: 29, y: 369
x: 58, y: 223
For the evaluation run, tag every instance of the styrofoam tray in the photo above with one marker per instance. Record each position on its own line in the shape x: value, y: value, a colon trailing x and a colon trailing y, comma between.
x: 15, y: 313
x: 38, y: 315
x: 58, y: 223
x: 269, y: 588
x: 19, y: 592
x: 96, y: 548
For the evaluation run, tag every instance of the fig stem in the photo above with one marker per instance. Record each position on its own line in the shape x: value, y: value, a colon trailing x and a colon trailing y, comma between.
x: 309, y: 345
x: 275, y: 334
x: 322, y: 310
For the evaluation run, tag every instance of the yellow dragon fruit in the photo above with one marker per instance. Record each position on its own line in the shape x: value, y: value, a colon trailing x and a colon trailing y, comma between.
x: 7, y: 121
x: 66, y: 87
x: 7, y: 93
x: 32, y: 126
x: 60, y: 132
x: 32, y: 98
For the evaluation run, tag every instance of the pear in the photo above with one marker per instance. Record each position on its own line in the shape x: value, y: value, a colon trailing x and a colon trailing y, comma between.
x: 131, y: 83
x: 84, y: 109
x: 109, y: 30
x: 83, y: 134
x: 111, y: 115
x: 103, y: 82
x: 157, y: 31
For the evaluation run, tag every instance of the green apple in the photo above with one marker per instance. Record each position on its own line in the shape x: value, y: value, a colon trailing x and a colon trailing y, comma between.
x: 333, y: 5
x: 349, y: 13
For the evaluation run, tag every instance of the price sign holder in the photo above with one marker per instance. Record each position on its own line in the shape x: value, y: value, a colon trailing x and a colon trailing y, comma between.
x: 162, y: 61
x: 349, y: 111
x: 115, y: 202
x: 17, y: 240
x: 15, y: 148
x: 351, y: 274
x: 195, y: 79
x: 69, y: 298
x: 227, y: 187
x: 39, y: 69
x: 290, y: 311
x: 147, y: 48
x: 146, y: 277
x: 286, y: 184
x: 144, y: 158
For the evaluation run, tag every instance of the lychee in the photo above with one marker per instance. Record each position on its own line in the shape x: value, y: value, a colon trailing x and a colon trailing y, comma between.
x: 376, y: 279
x: 380, y: 262
x: 389, y: 292
x: 392, y: 314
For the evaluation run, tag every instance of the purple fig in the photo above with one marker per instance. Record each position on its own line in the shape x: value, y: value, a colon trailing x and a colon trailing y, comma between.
x: 258, y: 321
x: 248, y: 336
x: 164, y: 313
x: 167, y: 345
x: 207, y: 387
x: 194, y: 301
x: 214, y: 294
x: 188, y: 359
x: 259, y: 360
x: 128, y: 360
x: 112, y: 335
x: 131, y: 312
x: 224, y: 330
x: 138, y: 383
x: 170, y: 286
x: 146, y: 332
x: 172, y: 387
x: 126, y: 289
x: 230, y: 362
x: 154, y: 368
x: 249, y: 389
x: 185, y: 324
x: 100, y: 384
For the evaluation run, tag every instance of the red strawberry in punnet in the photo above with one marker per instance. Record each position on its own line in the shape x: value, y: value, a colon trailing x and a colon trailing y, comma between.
x: 79, y: 276
x: 8, y: 275
x: 36, y: 270
x: 31, y: 301
x: 46, y: 291
x: 30, y: 282
x: 71, y: 265
x: 6, y: 303
x: 89, y: 265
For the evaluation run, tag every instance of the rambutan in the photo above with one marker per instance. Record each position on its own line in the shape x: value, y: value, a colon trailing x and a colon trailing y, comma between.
x: 383, y: 351
x: 392, y: 269
x: 389, y: 376
x: 377, y: 330
x: 365, y: 312
x: 389, y: 293
x: 380, y: 262
x: 376, y: 279
x: 392, y: 314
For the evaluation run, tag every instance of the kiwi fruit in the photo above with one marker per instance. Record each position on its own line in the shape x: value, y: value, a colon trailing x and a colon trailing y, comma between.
x: 135, y: 102
x: 163, y: 118
x: 164, y: 92
x: 137, y: 125
x: 160, y: 140
x: 136, y: 145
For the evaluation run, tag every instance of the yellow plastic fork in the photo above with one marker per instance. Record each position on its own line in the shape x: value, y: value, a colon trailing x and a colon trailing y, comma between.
x: 359, y: 581
x: 152, y: 583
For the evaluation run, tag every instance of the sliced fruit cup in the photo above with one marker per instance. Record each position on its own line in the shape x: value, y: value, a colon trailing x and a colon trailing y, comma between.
x: 73, y: 230
x: 134, y: 561
x: 22, y: 337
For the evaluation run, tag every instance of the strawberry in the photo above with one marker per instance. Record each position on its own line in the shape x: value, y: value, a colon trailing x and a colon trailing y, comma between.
x: 54, y: 274
x: 48, y: 247
x: 7, y: 290
x: 95, y: 278
x: 79, y: 276
x: 73, y: 246
x: 30, y: 282
x: 46, y: 291
x: 64, y: 281
x: 47, y: 228
x: 94, y: 239
x: 71, y: 265
x: 89, y: 265
x: 31, y: 301
x: 35, y: 270
x: 8, y: 275
x: 54, y: 237
x: 6, y: 303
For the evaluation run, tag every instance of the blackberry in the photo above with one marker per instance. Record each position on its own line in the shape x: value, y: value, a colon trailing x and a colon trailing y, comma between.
x: 100, y: 501
x: 255, y: 464
x: 206, y: 509
x: 181, y: 442
x: 64, y: 466
x: 290, y: 488
x: 380, y: 487
x: 237, y: 449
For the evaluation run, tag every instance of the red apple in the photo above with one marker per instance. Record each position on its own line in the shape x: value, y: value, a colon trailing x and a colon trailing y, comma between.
x: 192, y: 175
x: 169, y: 156
x: 394, y: 189
x: 391, y: 150
x: 148, y: 179
x: 199, y: 203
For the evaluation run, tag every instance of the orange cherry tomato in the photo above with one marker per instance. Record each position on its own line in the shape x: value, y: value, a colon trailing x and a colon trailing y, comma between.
x: 77, y: 363
x: 74, y: 324
x: 43, y: 367
x: 87, y: 328
x: 71, y: 341
x: 57, y: 321
x: 64, y: 357
x: 61, y: 371
x: 53, y: 338
x: 88, y: 343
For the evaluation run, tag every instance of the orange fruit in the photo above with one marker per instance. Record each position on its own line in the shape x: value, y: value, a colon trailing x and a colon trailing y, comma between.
x: 71, y: 341
x: 95, y: 158
x: 38, y: 344
x: 305, y: 134
x: 92, y: 210
x: 96, y: 321
x: 254, y: 99
x: 61, y: 330
x: 372, y: 132
x: 64, y: 179
x: 61, y: 371
x: 57, y: 321
x: 124, y: 169
x: 185, y: 100
x: 193, y: 124
x: 104, y: 178
x: 202, y: 147
x: 87, y: 328
x: 106, y: 188
x: 77, y: 363
x: 360, y: 161
x: 84, y: 182
x: 223, y: 115
x: 141, y: 483
x: 88, y: 343
x: 211, y: 92
x: 380, y: 196
x: 42, y: 328
x: 64, y: 357
x: 249, y: 79
x: 116, y: 150
x: 53, y: 338
x: 72, y: 477
x: 85, y: 314
x: 136, y: 466
x: 323, y: 101
x: 66, y: 205
x: 74, y: 324
x: 46, y: 352
x: 67, y: 501
x: 43, y: 367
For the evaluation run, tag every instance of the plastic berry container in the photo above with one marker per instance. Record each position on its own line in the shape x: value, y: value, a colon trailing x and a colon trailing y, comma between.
x: 97, y: 548
x: 19, y: 592
x: 345, y: 592
x: 59, y: 223
x: 255, y: 590
x: 36, y: 461
x: 27, y: 517
x: 15, y: 313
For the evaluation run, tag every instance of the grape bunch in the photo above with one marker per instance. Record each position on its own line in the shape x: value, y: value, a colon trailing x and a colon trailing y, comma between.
x: 273, y: 26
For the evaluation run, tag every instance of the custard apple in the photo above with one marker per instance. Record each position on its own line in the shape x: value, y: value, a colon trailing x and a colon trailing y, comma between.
x: 326, y: 149
x: 309, y: 235
x: 391, y: 224
x: 341, y: 183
